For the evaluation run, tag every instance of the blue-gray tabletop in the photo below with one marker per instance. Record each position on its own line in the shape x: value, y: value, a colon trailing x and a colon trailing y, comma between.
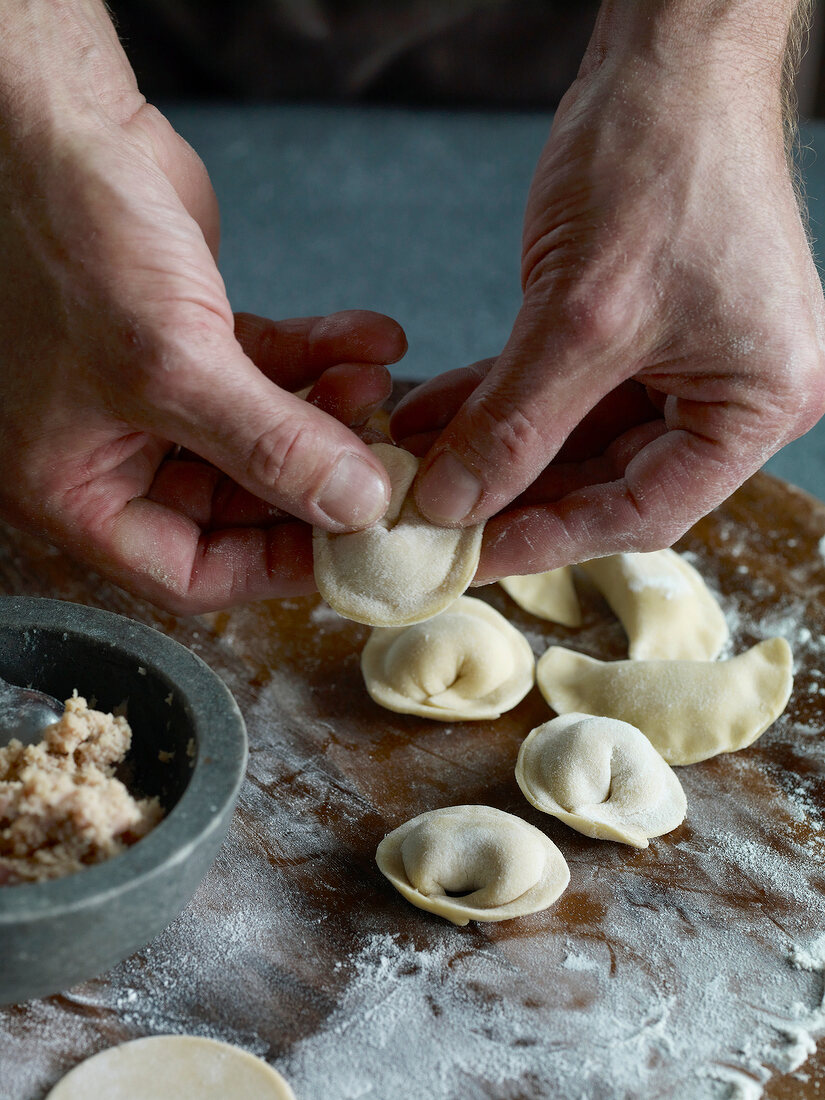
x: 416, y: 214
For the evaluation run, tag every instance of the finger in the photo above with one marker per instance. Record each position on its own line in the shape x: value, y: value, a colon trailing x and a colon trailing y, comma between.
x: 293, y: 353
x: 418, y: 445
x: 214, y: 401
x: 667, y: 486
x: 209, y: 498
x: 351, y: 392
x: 166, y: 558
x: 433, y: 404
x: 625, y: 407
x: 553, y: 371
x: 561, y: 478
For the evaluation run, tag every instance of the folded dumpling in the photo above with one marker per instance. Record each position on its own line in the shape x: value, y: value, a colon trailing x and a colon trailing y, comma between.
x: 467, y: 662
x: 402, y: 569
x: 602, y: 777
x: 689, y: 710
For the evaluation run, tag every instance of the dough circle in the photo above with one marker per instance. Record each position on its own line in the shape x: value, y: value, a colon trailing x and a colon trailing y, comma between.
x: 602, y: 777
x: 401, y: 570
x: 467, y: 662
x: 173, y: 1067
x: 689, y: 710
x: 499, y: 865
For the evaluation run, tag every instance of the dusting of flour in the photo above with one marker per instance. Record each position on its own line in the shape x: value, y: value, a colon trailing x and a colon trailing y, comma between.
x: 694, y: 969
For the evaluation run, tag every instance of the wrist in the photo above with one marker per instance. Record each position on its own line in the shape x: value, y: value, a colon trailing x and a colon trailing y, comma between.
x: 741, y: 40
x: 59, y: 59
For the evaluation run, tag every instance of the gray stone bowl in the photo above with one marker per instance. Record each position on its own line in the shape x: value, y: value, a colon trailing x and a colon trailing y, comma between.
x: 55, y: 934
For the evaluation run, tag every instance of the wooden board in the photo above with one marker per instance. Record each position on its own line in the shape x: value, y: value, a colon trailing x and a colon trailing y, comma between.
x: 688, y: 969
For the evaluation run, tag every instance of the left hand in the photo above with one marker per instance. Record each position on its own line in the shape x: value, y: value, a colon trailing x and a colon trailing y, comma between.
x: 671, y: 336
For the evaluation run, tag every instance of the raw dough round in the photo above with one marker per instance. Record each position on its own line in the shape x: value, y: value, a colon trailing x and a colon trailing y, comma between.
x: 173, y: 1067
x: 667, y: 610
x: 690, y: 710
x: 467, y: 662
x: 402, y: 569
x: 550, y: 595
x: 497, y: 865
x: 602, y: 777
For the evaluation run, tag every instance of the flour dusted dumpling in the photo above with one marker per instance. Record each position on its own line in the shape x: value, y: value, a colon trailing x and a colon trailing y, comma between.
x: 550, y: 595
x: 473, y: 863
x: 602, y: 777
x: 666, y: 608
x: 689, y: 710
x: 467, y: 662
x: 402, y: 569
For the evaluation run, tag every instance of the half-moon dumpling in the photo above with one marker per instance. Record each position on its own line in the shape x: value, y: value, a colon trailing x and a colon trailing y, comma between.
x: 473, y: 863
x: 690, y: 710
x: 549, y: 595
x: 402, y: 569
x: 467, y: 662
x: 602, y: 777
x: 664, y: 605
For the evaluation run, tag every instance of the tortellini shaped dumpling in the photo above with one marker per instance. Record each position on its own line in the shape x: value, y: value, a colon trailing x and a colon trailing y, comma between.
x: 602, y: 777
x: 467, y: 662
x: 473, y: 863
x: 402, y: 569
x: 667, y: 610
x: 689, y: 710
x: 550, y: 595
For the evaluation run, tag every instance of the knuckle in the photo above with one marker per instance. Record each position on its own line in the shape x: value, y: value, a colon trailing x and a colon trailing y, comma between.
x: 152, y: 366
x: 503, y: 432
x: 594, y: 312
x: 273, y: 453
x: 658, y: 524
x: 595, y: 320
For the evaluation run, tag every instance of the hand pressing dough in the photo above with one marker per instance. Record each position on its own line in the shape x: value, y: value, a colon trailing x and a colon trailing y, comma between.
x: 500, y: 866
x: 549, y: 595
x: 689, y: 710
x: 467, y: 662
x: 402, y: 569
x: 664, y: 605
x: 602, y: 777
x: 173, y: 1067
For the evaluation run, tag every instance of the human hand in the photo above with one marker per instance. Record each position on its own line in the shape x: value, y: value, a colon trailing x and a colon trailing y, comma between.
x: 672, y: 330
x: 120, y: 347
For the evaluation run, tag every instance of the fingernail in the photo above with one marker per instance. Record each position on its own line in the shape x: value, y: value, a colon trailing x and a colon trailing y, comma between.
x: 448, y: 490
x: 354, y: 494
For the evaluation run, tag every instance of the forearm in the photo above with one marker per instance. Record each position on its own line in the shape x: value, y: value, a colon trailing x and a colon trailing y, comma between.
x: 680, y: 30
x: 60, y: 57
x: 735, y: 50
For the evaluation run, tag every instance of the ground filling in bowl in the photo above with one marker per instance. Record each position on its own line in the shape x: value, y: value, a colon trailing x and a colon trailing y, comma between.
x: 61, y: 807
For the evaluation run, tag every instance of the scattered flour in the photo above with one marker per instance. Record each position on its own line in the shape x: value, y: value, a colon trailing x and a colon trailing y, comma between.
x: 681, y: 980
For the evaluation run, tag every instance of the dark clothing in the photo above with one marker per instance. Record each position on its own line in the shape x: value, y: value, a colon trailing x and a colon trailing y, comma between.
x: 510, y: 53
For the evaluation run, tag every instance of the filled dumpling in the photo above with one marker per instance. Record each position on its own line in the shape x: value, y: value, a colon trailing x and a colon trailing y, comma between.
x: 602, y: 777
x: 467, y: 662
x: 473, y: 863
x: 550, y: 595
x: 689, y: 710
x: 667, y: 610
x: 402, y: 569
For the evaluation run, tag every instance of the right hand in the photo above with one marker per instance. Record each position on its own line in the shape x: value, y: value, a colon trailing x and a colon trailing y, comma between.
x: 120, y: 346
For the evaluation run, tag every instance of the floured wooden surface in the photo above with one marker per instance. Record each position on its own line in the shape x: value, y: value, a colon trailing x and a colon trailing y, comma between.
x: 694, y: 968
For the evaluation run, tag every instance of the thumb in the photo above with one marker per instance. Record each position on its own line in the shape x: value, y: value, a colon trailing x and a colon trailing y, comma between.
x: 552, y: 372
x: 289, y: 453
